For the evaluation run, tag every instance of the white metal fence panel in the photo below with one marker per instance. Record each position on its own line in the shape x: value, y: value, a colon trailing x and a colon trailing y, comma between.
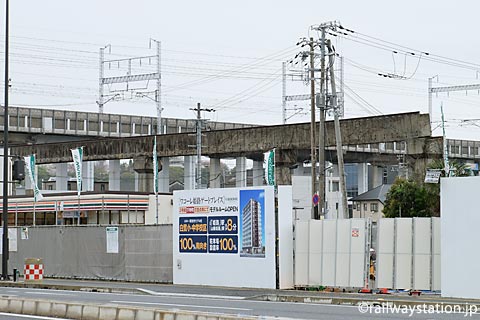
x: 329, y: 252
x: 408, y: 253
x: 336, y: 254
x: 358, y: 252
x: 436, y: 270
x: 316, y: 252
x: 385, y: 253
x: 301, y: 253
x: 403, y: 254
x: 422, y: 253
x: 342, y: 270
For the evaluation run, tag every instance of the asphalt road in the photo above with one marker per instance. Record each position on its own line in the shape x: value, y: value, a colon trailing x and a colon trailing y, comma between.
x: 230, y: 305
x: 5, y: 316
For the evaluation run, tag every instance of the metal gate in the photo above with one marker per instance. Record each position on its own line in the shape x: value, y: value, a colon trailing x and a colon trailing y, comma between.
x: 332, y: 252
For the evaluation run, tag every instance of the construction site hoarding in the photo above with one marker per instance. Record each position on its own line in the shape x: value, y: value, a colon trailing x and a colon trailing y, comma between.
x: 459, y: 242
x: 225, y: 237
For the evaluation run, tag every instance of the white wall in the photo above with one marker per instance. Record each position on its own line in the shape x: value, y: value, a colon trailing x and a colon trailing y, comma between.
x: 301, y: 197
x: 460, y: 220
x: 165, y: 209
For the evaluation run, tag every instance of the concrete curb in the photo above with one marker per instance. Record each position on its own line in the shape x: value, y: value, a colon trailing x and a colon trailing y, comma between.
x: 105, y: 312
x: 70, y: 288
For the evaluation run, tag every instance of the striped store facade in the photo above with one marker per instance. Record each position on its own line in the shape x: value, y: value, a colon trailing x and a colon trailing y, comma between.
x: 104, y: 208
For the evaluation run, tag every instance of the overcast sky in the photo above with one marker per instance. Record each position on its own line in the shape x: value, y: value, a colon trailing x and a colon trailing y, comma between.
x: 228, y: 55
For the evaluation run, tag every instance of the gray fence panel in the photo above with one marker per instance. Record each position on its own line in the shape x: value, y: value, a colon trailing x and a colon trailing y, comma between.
x: 144, y: 252
x: 148, y: 254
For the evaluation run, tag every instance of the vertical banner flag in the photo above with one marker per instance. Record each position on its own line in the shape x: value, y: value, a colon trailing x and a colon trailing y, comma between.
x: 155, y: 166
x: 269, y: 161
x: 30, y: 166
x: 77, y: 155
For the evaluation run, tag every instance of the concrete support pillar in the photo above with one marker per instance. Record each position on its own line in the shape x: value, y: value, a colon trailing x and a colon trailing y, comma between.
x: 419, y: 166
x: 377, y: 176
x: 215, y: 173
x: 257, y: 173
x: 61, y: 182
x: 240, y: 172
x: 143, y: 165
x: 189, y: 164
x: 137, y: 187
x: 362, y: 177
x: 88, y: 179
x: 114, y: 175
x: 285, y: 160
x: 164, y: 175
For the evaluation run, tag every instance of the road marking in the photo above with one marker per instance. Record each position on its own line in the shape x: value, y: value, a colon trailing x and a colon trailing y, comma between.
x: 49, y: 293
x: 189, y: 295
x: 29, y: 316
x: 179, y: 305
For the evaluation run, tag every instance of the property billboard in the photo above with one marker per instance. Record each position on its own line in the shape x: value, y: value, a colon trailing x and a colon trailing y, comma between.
x: 225, y: 237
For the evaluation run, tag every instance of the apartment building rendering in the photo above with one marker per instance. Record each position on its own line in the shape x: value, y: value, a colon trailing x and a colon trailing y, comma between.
x: 252, y: 237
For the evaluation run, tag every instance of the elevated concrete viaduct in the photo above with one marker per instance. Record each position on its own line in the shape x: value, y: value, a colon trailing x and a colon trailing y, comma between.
x: 292, y: 142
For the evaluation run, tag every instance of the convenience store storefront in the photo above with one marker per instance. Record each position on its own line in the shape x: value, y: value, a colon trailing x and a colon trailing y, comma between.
x: 88, y: 209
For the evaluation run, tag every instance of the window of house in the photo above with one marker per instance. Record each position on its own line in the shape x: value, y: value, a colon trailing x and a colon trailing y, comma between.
x: 50, y: 187
x: 102, y: 187
x: 335, y: 186
x: 374, y: 207
x: 364, y: 207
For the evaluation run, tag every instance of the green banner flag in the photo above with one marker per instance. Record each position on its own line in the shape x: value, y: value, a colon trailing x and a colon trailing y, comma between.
x: 30, y: 166
x: 269, y: 161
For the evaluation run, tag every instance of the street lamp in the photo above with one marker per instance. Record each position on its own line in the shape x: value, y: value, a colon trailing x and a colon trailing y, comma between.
x: 5, y: 157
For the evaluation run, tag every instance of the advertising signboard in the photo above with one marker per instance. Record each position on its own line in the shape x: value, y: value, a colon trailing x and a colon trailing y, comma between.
x: 225, y: 237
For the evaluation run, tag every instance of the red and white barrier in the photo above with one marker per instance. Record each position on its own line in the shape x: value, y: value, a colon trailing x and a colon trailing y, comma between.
x: 33, y: 269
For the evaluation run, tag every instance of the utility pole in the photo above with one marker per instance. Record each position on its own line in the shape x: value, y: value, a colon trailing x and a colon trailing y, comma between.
x: 100, y: 81
x: 313, y: 155
x: 321, y: 130
x: 284, y: 92
x: 199, y: 124
x: 5, y: 155
x: 430, y: 91
x: 338, y: 135
x: 446, y: 164
x: 158, y: 92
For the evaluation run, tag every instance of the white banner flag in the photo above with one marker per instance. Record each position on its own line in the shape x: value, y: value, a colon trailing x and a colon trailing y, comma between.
x: 269, y: 161
x: 77, y: 155
x: 155, y: 166
x: 30, y: 166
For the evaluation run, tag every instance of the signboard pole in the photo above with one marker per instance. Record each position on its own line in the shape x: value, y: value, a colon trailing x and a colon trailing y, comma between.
x: 155, y: 177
